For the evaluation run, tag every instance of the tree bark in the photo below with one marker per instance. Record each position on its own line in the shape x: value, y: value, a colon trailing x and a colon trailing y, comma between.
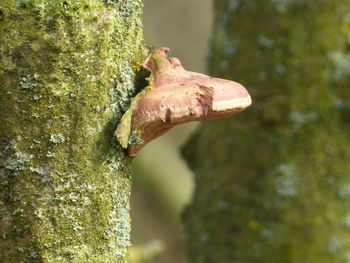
x: 272, y: 183
x: 67, y: 72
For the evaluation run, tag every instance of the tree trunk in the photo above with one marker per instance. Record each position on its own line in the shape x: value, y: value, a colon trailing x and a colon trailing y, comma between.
x: 67, y: 72
x: 272, y: 183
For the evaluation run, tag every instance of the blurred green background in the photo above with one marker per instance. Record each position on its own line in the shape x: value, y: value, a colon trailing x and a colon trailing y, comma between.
x: 162, y: 183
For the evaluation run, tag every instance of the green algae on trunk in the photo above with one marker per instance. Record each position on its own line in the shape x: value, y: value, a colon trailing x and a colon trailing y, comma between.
x: 66, y: 76
x: 272, y: 184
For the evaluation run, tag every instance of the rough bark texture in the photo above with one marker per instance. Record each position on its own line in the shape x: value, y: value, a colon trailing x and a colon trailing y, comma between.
x: 272, y: 184
x: 66, y: 76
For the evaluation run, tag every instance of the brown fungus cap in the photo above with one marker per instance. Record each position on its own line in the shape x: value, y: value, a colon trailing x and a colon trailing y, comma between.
x: 177, y: 96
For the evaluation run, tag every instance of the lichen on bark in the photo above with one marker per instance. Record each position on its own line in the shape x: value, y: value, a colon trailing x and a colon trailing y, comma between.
x: 272, y: 183
x: 67, y: 73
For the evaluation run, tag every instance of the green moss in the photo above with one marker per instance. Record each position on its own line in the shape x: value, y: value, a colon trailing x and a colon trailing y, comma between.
x: 67, y: 75
x: 124, y: 133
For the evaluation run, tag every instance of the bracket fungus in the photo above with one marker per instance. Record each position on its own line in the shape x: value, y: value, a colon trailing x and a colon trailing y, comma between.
x: 176, y: 96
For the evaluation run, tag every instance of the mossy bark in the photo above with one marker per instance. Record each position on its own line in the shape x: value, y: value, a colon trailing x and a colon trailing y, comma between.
x: 272, y: 183
x: 67, y: 71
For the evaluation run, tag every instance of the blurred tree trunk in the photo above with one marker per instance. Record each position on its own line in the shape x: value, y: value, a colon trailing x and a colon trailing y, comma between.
x: 66, y: 76
x: 272, y: 183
